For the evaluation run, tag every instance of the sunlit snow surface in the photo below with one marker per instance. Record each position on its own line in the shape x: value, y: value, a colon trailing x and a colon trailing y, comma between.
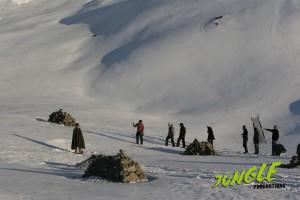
x: 110, y: 63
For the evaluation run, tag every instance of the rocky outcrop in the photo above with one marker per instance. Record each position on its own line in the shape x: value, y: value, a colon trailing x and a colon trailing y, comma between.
x: 117, y: 168
x: 60, y: 117
x: 199, y: 148
x: 295, y: 161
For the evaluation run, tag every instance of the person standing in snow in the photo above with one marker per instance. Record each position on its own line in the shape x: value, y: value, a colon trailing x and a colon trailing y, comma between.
x: 256, y: 140
x: 77, y: 140
x: 181, y: 137
x: 170, y: 135
x: 210, y: 136
x: 275, y: 137
x: 140, y: 131
x: 245, y: 138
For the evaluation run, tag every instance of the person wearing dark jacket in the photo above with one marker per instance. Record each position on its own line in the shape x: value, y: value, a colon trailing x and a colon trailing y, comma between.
x: 139, y: 131
x: 170, y: 135
x: 245, y: 138
x: 275, y: 137
x: 77, y: 140
x: 256, y: 141
x: 210, y: 136
x: 182, y: 133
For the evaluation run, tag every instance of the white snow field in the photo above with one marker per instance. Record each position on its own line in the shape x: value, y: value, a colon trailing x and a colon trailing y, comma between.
x: 112, y: 62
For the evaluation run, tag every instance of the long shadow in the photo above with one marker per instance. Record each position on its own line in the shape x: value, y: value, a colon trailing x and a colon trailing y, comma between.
x: 162, y: 139
x: 71, y: 173
x: 41, y: 143
x: 216, y: 163
x: 108, y: 136
x: 252, y: 156
x: 41, y: 119
x: 61, y: 166
x: 146, y: 138
x: 164, y: 150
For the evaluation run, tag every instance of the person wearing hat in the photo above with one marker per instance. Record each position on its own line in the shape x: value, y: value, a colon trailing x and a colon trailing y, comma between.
x: 77, y: 140
x: 139, y: 131
x: 181, y: 137
x: 275, y: 137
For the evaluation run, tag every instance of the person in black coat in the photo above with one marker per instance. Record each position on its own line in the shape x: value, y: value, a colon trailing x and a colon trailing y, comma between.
x: 210, y: 136
x: 77, y: 140
x: 245, y: 138
x: 256, y: 141
x: 275, y: 137
x: 182, y: 133
x: 170, y: 135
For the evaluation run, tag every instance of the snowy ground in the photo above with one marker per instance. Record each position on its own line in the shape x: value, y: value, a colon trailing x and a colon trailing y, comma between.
x: 112, y: 62
x: 36, y: 164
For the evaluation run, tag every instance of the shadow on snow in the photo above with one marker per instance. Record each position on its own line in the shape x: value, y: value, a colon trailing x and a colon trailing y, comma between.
x: 41, y: 143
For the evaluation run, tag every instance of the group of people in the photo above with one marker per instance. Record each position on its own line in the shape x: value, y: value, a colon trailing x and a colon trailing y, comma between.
x: 275, y: 137
x: 78, y: 143
x: 171, y: 134
x: 211, y: 137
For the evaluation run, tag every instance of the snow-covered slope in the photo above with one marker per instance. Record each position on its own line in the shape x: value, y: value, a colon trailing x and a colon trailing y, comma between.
x: 109, y: 62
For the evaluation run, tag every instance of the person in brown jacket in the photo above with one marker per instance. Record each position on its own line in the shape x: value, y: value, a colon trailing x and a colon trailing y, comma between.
x: 139, y: 131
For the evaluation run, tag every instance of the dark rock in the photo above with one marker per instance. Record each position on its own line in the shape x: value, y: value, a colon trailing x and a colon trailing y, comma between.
x: 295, y: 161
x: 199, y: 148
x: 60, y: 117
x: 117, y: 168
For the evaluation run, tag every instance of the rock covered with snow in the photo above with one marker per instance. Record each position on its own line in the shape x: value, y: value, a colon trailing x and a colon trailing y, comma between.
x: 199, y: 148
x: 60, y: 117
x: 117, y: 168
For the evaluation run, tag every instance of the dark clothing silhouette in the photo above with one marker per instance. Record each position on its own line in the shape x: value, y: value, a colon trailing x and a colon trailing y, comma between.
x: 275, y: 137
x: 139, y: 137
x: 245, y: 139
x: 77, y: 139
x: 210, y: 137
x: 275, y: 134
x: 256, y: 141
x: 182, y: 133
